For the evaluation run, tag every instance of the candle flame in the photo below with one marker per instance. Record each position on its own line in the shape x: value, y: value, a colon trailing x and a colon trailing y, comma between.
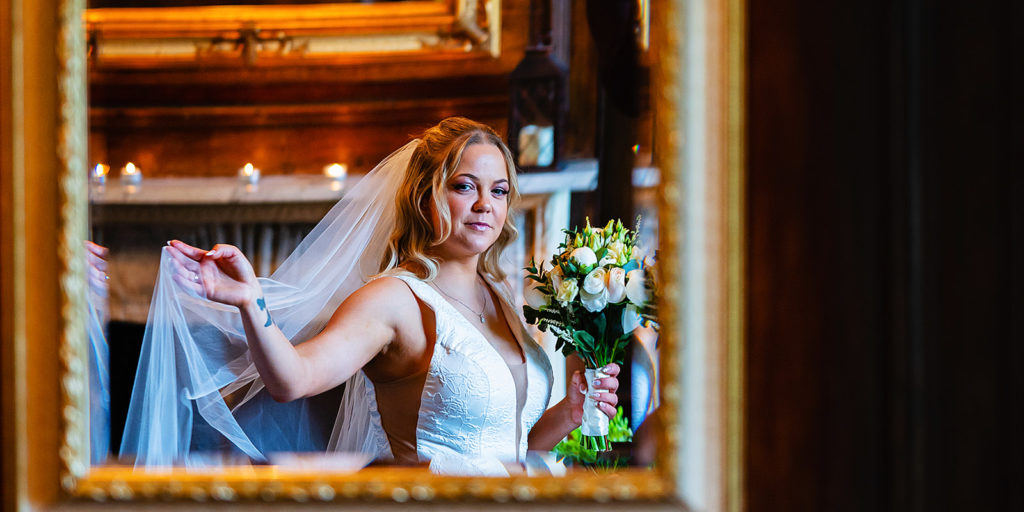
x: 336, y: 171
x: 129, y: 168
x: 247, y: 170
x: 100, y: 170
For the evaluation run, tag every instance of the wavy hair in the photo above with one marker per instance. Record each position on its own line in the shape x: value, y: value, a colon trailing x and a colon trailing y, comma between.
x: 432, y: 164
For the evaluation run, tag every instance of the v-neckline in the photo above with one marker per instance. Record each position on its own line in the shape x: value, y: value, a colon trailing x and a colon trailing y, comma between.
x: 516, y: 335
x: 500, y: 305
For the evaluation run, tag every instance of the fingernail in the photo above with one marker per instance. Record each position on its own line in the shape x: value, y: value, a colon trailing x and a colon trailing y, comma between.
x: 168, y: 242
x: 606, y: 368
x: 597, y: 382
x: 209, y: 253
x: 595, y: 395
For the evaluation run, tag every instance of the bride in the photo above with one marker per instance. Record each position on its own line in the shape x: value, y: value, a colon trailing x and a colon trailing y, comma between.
x: 437, y: 365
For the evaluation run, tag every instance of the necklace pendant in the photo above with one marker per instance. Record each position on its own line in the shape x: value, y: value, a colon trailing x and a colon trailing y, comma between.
x: 481, y: 318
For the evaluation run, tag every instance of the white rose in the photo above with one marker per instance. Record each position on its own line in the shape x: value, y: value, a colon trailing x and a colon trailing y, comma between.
x: 535, y: 298
x: 594, y: 282
x: 630, y: 318
x: 594, y: 302
x: 616, y: 284
x: 636, y: 289
x: 567, y: 290
x: 583, y: 256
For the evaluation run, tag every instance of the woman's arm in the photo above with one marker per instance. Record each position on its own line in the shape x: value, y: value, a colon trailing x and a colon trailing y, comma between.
x: 558, y: 421
x: 357, y: 331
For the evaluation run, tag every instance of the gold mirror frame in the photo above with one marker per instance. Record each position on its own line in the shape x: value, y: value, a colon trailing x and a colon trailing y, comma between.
x: 46, y: 454
x: 336, y: 34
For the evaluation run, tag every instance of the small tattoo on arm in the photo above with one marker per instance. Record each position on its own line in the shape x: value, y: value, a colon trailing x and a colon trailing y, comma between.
x: 262, y: 303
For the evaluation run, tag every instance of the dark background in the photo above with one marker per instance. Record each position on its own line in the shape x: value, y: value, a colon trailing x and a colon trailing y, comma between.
x: 884, y: 255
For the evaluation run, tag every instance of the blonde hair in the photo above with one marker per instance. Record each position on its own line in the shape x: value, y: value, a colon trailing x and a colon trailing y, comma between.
x: 432, y: 164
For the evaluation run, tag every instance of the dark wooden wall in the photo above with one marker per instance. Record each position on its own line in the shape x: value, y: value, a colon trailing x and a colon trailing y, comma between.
x: 885, y: 252
x: 205, y: 120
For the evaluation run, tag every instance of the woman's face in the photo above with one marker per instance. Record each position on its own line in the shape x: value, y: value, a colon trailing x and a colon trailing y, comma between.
x: 477, y: 195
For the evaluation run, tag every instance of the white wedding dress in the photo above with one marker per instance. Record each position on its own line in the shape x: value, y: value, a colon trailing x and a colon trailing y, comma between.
x: 468, y: 410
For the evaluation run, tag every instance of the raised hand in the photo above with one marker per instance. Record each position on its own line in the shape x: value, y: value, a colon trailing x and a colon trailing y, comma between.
x: 96, y: 256
x: 602, y: 390
x: 221, y: 274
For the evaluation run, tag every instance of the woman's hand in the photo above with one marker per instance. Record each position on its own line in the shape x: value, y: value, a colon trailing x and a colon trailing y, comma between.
x: 558, y: 421
x: 601, y: 390
x: 221, y: 275
x: 96, y: 256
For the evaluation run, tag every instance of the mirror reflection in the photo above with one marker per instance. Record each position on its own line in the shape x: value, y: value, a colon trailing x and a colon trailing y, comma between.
x: 381, y: 255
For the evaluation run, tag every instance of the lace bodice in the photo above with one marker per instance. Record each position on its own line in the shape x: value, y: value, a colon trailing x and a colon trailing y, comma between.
x: 467, y: 414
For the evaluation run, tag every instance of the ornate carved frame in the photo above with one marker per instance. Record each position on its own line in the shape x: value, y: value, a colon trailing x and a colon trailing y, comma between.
x: 42, y: 481
x: 272, y: 35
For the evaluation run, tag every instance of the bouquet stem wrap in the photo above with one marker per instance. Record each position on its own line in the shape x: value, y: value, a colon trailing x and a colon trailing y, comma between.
x: 595, y: 422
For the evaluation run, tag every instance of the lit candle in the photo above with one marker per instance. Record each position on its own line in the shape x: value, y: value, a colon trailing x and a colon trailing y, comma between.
x: 131, y: 175
x: 336, y: 171
x: 249, y: 174
x: 99, y: 174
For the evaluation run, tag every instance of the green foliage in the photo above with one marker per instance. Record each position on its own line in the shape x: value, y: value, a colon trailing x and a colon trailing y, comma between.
x: 573, y: 450
x: 618, y: 428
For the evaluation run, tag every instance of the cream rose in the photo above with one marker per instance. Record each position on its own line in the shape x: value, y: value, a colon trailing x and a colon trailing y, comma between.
x: 616, y: 254
x: 567, y: 290
x: 556, y: 277
x: 583, y: 256
x: 535, y: 298
x: 594, y: 282
x: 636, y: 289
x: 616, y: 284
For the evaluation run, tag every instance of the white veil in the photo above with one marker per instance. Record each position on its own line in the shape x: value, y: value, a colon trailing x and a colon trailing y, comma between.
x: 99, y: 375
x: 196, y: 390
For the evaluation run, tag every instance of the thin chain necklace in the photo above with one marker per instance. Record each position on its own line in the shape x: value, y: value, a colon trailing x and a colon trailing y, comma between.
x: 479, y: 314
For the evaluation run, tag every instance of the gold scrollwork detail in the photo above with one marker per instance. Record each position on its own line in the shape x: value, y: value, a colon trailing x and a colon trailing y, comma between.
x: 377, y: 486
x: 71, y: 154
x: 341, y: 33
x: 250, y: 44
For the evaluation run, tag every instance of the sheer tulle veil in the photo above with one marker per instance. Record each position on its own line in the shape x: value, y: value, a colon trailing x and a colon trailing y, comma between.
x: 196, y: 390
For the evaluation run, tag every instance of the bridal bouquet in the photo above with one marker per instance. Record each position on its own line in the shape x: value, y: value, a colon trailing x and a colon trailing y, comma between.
x: 594, y: 295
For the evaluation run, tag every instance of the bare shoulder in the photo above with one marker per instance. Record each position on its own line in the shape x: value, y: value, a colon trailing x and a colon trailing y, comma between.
x: 380, y: 310
x: 384, y: 294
